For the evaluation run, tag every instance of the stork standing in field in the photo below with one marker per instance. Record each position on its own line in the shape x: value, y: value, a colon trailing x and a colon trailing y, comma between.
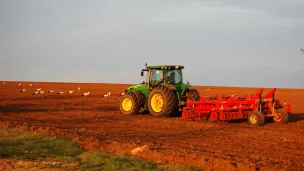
x: 41, y: 93
x: 23, y: 90
x: 31, y: 85
x: 107, y: 95
x: 60, y: 92
x: 123, y: 93
x: 20, y: 85
x: 51, y: 91
x: 35, y: 92
x: 79, y: 88
x: 70, y: 92
x: 86, y: 94
x: 38, y: 89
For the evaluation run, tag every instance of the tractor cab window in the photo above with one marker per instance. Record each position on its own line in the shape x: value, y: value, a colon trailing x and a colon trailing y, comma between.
x: 156, y: 76
x: 174, y: 76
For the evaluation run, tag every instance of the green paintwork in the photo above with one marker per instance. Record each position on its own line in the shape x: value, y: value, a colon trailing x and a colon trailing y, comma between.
x: 139, y: 87
x: 183, y: 88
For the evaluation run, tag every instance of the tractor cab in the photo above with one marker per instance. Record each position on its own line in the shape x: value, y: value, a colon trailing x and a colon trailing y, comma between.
x: 168, y: 74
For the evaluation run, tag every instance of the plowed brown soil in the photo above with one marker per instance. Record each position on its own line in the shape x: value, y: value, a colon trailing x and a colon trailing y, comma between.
x: 96, y: 123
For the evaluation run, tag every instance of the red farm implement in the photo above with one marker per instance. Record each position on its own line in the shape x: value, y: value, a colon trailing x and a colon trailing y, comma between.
x: 254, y: 108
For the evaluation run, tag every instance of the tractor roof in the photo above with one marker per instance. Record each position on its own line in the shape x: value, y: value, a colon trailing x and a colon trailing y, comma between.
x: 166, y: 67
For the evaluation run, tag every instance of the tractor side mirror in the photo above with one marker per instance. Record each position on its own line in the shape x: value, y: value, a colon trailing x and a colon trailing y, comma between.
x: 142, y: 73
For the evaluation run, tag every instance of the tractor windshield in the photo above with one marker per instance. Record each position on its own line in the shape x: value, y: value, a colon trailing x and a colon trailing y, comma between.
x: 157, y: 75
x: 174, y: 76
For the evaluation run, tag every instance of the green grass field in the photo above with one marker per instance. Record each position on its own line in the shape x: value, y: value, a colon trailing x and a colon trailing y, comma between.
x: 53, y: 152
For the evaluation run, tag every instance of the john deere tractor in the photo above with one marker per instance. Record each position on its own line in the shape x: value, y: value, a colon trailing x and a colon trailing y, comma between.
x: 162, y: 94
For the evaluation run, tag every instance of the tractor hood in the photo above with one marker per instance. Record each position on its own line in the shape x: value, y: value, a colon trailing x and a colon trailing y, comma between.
x: 136, y: 86
x: 139, y: 87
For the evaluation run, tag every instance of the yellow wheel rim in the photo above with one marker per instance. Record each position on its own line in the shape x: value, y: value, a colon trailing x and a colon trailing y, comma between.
x: 157, y: 102
x: 127, y: 104
x: 253, y: 119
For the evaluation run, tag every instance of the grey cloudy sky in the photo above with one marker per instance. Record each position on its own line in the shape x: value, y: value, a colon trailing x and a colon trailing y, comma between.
x: 224, y: 42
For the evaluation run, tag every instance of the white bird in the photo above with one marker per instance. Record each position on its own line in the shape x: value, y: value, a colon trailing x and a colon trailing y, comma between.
x: 79, y: 88
x: 51, y: 91
x: 38, y: 89
x: 20, y: 84
x: 60, y: 92
x: 31, y: 85
x: 86, y: 94
x: 41, y: 92
x: 36, y: 92
x: 23, y: 90
x: 123, y: 93
x: 107, y: 95
x: 70, y: 92
x: 208, y: 89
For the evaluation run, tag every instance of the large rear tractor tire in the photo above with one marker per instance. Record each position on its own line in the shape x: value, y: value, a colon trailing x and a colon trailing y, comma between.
x: 256, y: 118
x: 129, y: 104
x: 193, y: 95
x: 162, y: 102
x: 282, y: 116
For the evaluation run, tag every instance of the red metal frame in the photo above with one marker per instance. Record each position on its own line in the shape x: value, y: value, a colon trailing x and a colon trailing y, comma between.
x: 233, y: 107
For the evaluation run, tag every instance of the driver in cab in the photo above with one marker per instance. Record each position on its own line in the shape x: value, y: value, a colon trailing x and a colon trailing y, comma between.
x: 171, y: 78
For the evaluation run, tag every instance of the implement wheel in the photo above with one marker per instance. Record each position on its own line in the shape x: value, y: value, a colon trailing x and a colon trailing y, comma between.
x: 129, y: 104
x: 162, y: 101
x: 256, y: 118
x: 281, y: 117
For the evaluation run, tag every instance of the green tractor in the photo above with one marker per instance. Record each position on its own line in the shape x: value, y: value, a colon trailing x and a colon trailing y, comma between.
x: 162, y: 94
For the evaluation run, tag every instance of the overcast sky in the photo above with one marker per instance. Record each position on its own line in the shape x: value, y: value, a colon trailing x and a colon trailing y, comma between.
x: 224, y: 42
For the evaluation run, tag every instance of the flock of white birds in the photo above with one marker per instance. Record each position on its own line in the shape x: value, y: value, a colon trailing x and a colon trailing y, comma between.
x: 40, y: 91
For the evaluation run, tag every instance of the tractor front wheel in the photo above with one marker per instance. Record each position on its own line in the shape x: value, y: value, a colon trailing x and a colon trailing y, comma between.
x: 162, y: 101
x: 129, y: 104
x: 281, y: 117
x: 256, y: 118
